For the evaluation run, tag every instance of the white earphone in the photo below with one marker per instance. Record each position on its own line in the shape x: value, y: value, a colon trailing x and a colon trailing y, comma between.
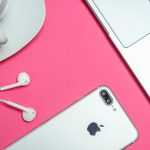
x: 23, y: 79
x: 3, y: 10
x: 28, y: 114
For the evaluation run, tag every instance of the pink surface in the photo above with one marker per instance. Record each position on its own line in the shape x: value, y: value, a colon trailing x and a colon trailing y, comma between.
x: 70, y: 57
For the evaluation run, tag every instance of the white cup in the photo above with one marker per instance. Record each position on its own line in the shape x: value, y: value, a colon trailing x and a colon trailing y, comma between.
x: 3, y: 10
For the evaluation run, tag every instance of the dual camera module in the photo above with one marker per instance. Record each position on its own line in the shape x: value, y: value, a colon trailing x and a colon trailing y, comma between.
x: 106, y: 97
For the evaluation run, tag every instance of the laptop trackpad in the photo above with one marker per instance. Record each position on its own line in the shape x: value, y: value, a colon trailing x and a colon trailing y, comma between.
x: 129, y: 20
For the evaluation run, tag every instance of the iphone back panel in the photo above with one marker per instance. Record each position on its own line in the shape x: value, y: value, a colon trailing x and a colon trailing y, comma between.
x: 96, y: 122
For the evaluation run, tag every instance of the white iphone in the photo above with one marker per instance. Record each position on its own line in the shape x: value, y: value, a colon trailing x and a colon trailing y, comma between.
x: 96, y: 122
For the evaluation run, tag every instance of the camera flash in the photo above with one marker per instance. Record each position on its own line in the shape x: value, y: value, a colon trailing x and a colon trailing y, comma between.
x: 114, y: 109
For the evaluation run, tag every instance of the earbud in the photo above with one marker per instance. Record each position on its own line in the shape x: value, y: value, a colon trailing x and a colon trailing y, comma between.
x: 23, y: 79
x: 3, y: 10
x: 28, y: 114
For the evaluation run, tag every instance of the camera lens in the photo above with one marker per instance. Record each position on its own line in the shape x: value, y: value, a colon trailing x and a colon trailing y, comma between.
x: 106, y: 97
x: 108, y: 101
x: 104, y: 93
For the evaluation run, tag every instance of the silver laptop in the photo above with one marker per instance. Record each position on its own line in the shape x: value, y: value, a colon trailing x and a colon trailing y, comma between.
x: 128, y: 25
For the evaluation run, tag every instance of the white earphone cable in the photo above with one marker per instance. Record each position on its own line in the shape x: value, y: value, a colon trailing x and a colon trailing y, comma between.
x: 3, y: 101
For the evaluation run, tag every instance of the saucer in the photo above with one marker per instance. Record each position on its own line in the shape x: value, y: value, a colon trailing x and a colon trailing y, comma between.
x: 22, y: 22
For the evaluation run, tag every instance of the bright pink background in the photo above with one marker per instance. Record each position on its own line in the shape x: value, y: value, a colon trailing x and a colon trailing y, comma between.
x: 70, y: 57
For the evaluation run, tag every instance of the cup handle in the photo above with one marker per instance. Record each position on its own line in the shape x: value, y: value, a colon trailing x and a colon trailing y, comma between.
x: 3, y: 37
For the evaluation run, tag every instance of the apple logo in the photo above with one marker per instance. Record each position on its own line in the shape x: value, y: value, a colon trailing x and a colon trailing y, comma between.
x: 93, y: 128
